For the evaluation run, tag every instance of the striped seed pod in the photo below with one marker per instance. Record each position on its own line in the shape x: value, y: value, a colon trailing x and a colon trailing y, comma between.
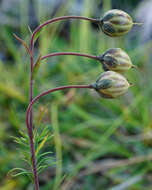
x: 111, y: 84
x: 115, y: 59
x: 116, y: 23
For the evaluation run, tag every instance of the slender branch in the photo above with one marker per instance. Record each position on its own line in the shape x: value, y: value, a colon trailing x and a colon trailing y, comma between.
x: 70, y: 53
x: 23, y: 43
x: 47, y: 92
x: 59, y: 19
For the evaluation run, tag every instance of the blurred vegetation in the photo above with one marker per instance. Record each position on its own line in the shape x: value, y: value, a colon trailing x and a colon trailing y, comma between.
x: 98, y: 143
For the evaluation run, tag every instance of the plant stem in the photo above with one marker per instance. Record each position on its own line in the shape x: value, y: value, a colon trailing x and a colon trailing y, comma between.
x: 29, y: 117
x: 58, y: 19
x: 30, y: 129
x: 31, y: 89
x: 70, y: 53
x: 36, y: 181
x: 47, y: 92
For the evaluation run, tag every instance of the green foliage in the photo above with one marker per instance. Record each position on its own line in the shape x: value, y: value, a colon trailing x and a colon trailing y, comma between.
x: 43, y: 159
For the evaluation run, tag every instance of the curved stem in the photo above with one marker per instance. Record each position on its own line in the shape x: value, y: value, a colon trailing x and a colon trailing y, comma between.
x: 28, y: 123
x: 59, y: 19
x: 29, y: 118
x: 70, y: 53
x: 47, y: 92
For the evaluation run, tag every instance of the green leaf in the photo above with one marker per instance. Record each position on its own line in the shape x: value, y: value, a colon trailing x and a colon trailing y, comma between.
x: 41, y: 168
x: 43, y: 160
x: 41, y: 155
x: 36, y: 67
x: 18, y: 171
x: 37, y: 35
x: 29, y: 29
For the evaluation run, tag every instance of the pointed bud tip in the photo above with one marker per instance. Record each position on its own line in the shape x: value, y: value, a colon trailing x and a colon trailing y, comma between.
x: 116, y: 23
x: 138, y: 23
x: 111, y: 84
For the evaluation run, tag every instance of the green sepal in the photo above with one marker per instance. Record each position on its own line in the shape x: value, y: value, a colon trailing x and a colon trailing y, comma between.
x: 104, y: 84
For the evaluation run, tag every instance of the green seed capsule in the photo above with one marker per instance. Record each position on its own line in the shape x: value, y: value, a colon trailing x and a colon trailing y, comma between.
x: 115, y: 59
x: 111, y: 84
x: 116, y: 23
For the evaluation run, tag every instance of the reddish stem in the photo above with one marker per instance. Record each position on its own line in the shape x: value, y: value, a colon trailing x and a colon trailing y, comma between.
x: 58, y: 19
x: 30, y: 129
x: 31, y: 89
x: 70, y: 53
x: 47, y: 92
x: 29, y: 110
x: 36, y: 181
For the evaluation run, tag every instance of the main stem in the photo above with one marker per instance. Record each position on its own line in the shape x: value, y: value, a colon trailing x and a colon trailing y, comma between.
x: 31, y: 88
x: 30, y: 129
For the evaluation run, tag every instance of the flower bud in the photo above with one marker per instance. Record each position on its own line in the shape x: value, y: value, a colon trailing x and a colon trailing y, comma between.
x: 111, y: 84
x: 115, y: 59
x: 116, y: 23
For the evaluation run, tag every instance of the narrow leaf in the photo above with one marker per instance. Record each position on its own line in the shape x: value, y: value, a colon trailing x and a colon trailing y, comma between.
x: 44, y: 160
x: 29, y: 29
x: 23, y: 43
x: 41, y: 168
x: 37, y: 35
x: 20, y: 173
x: 42, y: 155
x: 15, y: 171
x: 36, y: 67
x: 41, y: 144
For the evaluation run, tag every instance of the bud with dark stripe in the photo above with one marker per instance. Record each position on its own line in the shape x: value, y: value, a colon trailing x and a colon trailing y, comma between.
x: 111, y: 84
x: 115, y: 59
x: 116, y: 23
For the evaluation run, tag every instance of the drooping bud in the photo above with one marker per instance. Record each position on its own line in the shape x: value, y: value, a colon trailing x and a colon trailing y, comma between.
x: 111, y: 84
x: 115, y: 59
x: 116, y: 23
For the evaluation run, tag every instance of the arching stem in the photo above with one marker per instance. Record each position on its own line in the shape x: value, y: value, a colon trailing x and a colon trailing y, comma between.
x: 48, y: 92
x: 28, y: 123
x: 29, y: 117
x: 59, y: 19
x: 70, y: 53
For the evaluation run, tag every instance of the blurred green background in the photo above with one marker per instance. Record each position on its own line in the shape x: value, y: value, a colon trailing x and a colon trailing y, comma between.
x: 98, y: 143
